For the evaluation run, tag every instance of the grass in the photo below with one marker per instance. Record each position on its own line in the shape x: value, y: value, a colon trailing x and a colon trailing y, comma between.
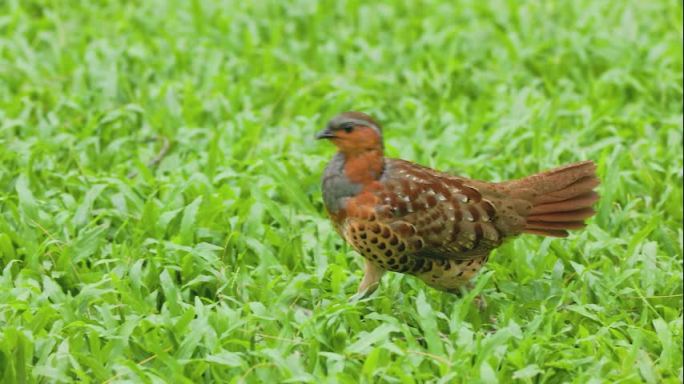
x: 217, y: 264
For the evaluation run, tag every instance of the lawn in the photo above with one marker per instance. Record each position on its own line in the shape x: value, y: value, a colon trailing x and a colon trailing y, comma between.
x: 161, y: 217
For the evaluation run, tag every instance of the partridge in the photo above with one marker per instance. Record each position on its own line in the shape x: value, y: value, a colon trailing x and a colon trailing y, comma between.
x: 406, y: 218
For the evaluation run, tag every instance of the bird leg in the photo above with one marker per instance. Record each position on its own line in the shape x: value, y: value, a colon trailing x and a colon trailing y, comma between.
x: 371, y: 280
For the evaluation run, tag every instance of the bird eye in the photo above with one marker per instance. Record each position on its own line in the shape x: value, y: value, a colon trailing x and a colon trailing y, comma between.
x: 348, y: 128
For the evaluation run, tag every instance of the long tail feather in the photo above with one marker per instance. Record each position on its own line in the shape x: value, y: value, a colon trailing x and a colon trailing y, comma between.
x: 561, y: 198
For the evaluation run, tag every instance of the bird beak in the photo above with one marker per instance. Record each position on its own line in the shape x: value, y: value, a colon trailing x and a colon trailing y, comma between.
x: 325, y: 134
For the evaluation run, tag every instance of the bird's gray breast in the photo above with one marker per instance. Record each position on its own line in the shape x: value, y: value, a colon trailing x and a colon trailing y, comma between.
x: 336, y: 186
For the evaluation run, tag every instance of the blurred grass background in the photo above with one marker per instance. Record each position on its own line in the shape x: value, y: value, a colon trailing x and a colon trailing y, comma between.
x: 219, y: 265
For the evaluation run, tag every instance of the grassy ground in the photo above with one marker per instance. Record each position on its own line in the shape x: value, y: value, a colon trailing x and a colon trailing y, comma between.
x: 218, y: 265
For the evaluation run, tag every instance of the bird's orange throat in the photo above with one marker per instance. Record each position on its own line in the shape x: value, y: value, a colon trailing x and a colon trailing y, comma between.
x: 364, y: 167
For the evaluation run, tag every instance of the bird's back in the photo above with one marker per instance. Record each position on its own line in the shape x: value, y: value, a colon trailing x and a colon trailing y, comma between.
x: 456, y: 218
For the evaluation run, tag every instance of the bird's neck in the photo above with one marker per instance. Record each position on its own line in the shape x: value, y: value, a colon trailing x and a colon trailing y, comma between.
x: 364, y: 167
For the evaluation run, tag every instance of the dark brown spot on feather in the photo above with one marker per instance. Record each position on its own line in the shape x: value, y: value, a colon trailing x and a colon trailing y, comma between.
x: 489, y: 209
x: 428, y: 266
x: 431, y: 200
x: 405, y: 187
x: 385, y: 232
x: 441, y: 190
x: 403, y: 259
x: 455, y: 229
x: 401, y: 247
x: 374, y: 240
x: 456, y: 183
x: 478, y: 234
x: 418, y: 265
x: 382, y: 246
x: 363, y: 236
x: 388, y: 253
x: 401, y: 207
x: 457, y: 211
x: 474, y: 213
x: 394, y: 240
x: 471, y: 193
x: 403, y: 229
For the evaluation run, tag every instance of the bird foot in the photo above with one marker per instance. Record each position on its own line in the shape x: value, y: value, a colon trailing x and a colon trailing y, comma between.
x: 369, y: 283
x: 358, y: 296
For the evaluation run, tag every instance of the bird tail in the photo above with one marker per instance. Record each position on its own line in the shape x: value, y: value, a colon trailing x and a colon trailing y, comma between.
x: 561, y: 198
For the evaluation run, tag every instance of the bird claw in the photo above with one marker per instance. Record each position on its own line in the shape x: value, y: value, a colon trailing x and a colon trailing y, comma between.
x: 357, y: 297
x: 364, y: 292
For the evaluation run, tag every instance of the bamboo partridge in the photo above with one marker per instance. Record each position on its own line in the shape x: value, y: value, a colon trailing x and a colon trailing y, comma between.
x: 406, y: 218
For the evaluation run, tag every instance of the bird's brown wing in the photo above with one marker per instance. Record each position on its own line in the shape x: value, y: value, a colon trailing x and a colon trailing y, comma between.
x: 440, y: 216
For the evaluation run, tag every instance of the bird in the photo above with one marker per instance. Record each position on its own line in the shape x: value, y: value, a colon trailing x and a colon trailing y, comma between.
x: 441, y: 228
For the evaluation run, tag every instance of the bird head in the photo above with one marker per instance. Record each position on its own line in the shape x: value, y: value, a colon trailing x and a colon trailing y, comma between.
x: 353, y: 133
